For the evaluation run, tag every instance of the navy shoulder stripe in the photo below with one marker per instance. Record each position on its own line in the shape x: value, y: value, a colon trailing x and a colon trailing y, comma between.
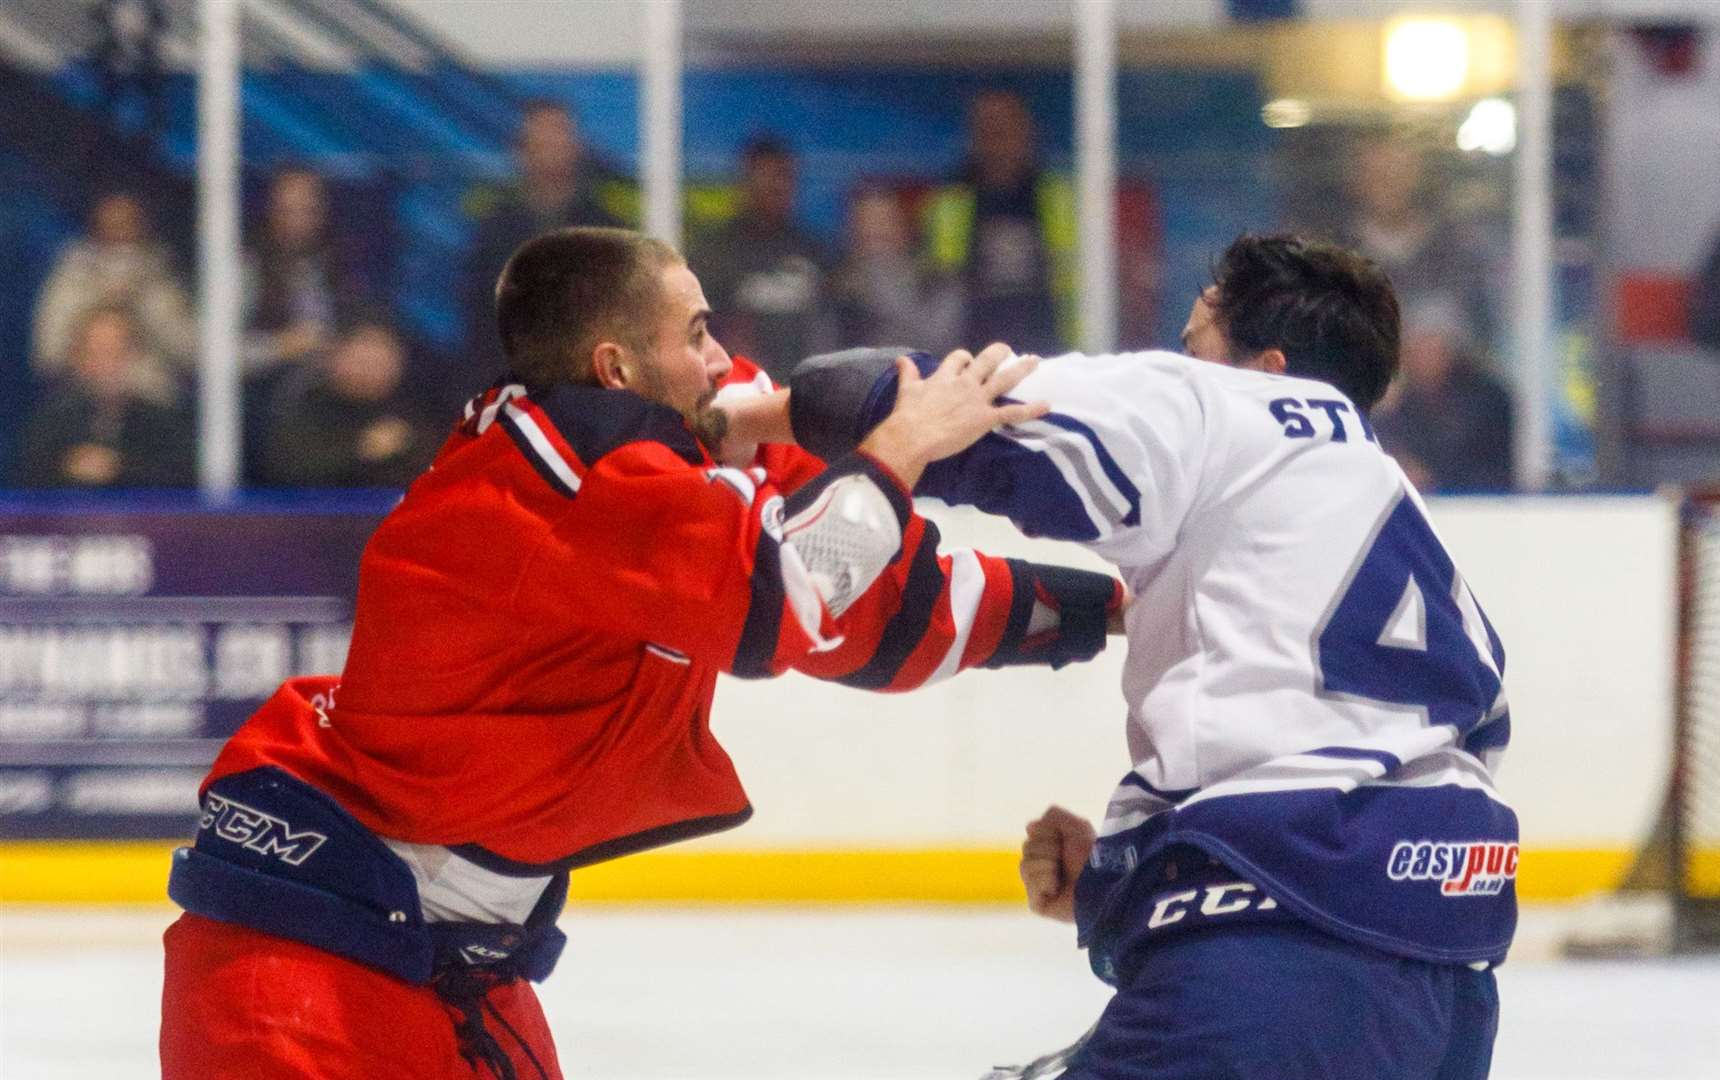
x: 538, y: 452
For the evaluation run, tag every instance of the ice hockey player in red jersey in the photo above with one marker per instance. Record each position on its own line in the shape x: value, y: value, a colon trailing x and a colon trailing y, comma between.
x: 539, y: 629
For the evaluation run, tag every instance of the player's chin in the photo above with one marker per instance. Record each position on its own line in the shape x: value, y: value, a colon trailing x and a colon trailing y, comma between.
x: 709, y: 423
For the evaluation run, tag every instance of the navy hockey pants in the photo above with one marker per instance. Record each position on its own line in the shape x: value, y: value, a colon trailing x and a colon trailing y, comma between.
x: 1283, y: 1002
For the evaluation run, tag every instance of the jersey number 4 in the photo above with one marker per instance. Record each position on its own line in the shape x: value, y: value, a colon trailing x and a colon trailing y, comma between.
x: 1406, y: 631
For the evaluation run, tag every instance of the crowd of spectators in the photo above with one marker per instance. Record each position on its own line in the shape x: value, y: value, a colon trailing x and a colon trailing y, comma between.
x: 334, y: 397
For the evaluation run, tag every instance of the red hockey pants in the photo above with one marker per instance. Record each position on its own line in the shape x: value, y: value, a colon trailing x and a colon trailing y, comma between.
x: 242, y: 1005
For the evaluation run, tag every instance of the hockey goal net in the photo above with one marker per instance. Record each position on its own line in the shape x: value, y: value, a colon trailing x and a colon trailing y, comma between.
x: 1693, y: 805
x: 1669, y: 900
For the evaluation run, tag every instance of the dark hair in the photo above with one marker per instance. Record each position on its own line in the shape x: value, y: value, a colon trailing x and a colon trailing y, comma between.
x: 294, y: 167
x: 533, y: 105
x: 564, y: 293
x: 1330, y: 310
x: 765, y: 145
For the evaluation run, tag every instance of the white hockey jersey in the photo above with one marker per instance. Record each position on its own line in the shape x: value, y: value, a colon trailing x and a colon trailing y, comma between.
x: 1314, y: 696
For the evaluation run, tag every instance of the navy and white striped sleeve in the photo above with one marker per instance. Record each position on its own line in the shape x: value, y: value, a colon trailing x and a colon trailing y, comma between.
x: 1114, y: 465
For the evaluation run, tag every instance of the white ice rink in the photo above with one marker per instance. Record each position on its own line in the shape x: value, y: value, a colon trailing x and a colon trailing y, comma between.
x: 826, y: 994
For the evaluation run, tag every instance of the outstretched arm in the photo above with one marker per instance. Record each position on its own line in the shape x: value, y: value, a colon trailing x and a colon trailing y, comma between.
x: 722, y: 567
x: 1113, y: 464
x: 931, y: 613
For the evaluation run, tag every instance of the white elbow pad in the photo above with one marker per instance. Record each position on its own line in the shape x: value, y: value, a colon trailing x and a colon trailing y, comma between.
x: 845, y: 538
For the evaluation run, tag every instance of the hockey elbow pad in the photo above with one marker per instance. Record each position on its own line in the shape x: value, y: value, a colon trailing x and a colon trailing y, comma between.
x: 1060, y: 616
x: 838, y: 398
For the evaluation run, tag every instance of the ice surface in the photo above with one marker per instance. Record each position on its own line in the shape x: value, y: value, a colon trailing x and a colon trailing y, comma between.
x: 821, y: 994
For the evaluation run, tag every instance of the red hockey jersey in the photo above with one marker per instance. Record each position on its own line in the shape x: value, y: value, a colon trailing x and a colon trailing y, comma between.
x: 541, y: 621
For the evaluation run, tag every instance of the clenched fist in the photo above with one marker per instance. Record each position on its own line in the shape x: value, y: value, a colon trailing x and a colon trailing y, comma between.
x: 1052, y: 856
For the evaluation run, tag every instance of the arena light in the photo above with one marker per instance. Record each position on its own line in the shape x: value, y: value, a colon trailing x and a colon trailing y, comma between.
x: 1286, y: 113
x: 1490, y: 128
x: 1426, y: 59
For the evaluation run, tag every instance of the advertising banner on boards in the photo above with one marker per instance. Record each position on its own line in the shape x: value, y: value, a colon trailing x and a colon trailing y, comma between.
x: 133, y: 641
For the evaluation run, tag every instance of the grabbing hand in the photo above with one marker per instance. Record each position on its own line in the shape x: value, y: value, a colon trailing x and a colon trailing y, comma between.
x: 949, y: 410
x: 1057, y: 846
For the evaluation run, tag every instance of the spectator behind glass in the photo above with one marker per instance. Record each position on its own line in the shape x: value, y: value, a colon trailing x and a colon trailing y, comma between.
x: 1006, y: 229
x: 347, y: 422
x: 883, y: 295
x: 93, y: 428
x: 560, y: 185
x: 1397, y: 221
x: 295, y: 275
x: 118, y: 264
x: 764, y: 275
x: 1705, y: 300
x: 1447, y: 421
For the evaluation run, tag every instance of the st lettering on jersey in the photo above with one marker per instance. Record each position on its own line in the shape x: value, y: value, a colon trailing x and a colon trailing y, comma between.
x: 1294, y: 415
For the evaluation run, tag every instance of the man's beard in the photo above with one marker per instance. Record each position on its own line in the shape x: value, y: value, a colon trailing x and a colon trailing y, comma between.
x: 709, y: 423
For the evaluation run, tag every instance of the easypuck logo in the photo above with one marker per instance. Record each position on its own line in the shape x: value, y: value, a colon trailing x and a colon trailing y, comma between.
x: 1471, y: 868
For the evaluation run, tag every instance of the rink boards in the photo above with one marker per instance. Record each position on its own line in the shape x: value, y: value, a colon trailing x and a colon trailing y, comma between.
x: 131, y: 642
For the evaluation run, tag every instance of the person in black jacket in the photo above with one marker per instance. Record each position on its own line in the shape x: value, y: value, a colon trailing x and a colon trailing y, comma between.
x: 347, y: 422
x: 561, y: 184
x: 94, y: 427
x: 1447, y: 421
x: 297, y: 274
x: 767, y: 278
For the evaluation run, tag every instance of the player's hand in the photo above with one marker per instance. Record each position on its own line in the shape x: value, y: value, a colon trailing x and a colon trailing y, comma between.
x: 951, y: 409
x: 1057, y: 846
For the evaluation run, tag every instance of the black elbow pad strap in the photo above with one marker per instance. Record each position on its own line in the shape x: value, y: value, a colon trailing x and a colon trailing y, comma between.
x: 1084, y: 602
x: 839, y: 397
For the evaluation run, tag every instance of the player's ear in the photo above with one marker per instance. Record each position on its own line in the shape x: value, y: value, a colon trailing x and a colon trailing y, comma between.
x: 611, y: 366
x: 1271, y: 361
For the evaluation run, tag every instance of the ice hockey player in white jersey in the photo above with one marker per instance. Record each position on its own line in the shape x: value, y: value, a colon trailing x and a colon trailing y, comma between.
x: 1307, y: 871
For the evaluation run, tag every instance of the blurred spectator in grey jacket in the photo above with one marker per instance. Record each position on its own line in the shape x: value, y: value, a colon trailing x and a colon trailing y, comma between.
x: 884, y: 294
x: 296, y: 275
x: 94, y: 429
x: 349, y: 421
x: 765, y: 276
x: 1446, y: 421
x: 119, y: 263
x: 1397, y: 221
x: 1705, y: 300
